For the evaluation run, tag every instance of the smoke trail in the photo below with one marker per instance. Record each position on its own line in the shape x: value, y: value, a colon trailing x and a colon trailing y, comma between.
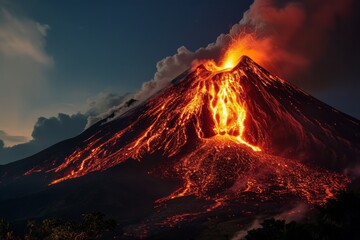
x: 284, y: 36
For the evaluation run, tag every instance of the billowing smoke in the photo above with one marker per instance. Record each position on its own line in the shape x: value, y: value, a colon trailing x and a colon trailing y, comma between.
x: 287, y: 37
x: 171, y: 67
x: 46, y: 132
x: 103, y: 105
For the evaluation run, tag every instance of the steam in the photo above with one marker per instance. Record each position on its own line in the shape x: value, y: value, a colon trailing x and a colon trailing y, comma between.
x: 103, y: 105
x: 297, y: 213
x: 285, y: 36
x: 352, y: 172
x: 172, y: 66
x: 242, y: 233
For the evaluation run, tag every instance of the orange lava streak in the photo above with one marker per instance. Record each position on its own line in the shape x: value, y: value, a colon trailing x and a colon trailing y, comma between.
x: 228, y: 109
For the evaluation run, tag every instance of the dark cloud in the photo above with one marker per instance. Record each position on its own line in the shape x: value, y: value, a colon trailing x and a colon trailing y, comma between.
x: 46, y: 132
x: 19, y: 151
x: 55, y: 129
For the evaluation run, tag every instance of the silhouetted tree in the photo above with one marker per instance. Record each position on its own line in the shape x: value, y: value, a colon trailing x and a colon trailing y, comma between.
x: 277, y: 230
x: 92, y: 226
x: 338, y: 219
x: 95, y: 225
x: 5, y: 231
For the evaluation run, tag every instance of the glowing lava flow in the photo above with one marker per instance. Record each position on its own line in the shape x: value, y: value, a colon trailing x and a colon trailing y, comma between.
x: 229, y: 133
x: 215, y: 130
x: 212, y: 104
x: 228, y: 109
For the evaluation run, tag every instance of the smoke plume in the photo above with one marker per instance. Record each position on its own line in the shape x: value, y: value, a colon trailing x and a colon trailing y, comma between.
x: 287, y: 37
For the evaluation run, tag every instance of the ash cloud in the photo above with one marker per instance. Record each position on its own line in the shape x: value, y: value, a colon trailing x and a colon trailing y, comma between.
x: 299, y: 39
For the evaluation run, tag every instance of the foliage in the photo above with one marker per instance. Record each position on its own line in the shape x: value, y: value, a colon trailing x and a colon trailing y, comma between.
x: 339, y: 218
x: 95, y: 225
x: 5, y: 232
x: 92, y: 226
x: 278, y: 230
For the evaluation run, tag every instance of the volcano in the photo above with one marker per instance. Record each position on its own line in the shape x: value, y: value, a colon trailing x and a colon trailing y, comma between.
x: 217, y: 142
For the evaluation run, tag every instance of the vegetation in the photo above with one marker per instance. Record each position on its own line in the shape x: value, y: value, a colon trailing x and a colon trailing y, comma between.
x: 338, y: 219
x: 91, y: 226
x: 5, y: 231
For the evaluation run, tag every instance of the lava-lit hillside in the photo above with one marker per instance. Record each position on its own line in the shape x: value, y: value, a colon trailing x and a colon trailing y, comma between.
x: 226, y: 127
x: 223, y: 134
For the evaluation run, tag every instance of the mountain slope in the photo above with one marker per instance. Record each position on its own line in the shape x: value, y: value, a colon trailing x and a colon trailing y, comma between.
x: 227, y: 137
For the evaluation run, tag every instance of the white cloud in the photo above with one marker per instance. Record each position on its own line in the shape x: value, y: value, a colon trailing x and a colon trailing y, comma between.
x: 24, y: 63
x: 21, y: 37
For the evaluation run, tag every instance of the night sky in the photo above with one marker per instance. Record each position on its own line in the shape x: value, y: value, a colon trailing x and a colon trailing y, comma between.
x: 79, y: 58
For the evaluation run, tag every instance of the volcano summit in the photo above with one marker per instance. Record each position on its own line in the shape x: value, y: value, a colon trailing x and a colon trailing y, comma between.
x: 224, y: 141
